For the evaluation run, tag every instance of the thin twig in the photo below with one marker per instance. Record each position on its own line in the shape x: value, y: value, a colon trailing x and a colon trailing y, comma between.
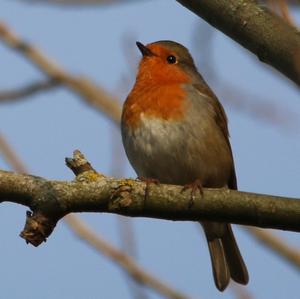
x: 124, y: 224
x: 89, y: 91
x: 128, y: 246
x: 127, y: 263
x: 101, y: 100
x: 10, y: 156
x: 27, y: 90
x: 268, y: 239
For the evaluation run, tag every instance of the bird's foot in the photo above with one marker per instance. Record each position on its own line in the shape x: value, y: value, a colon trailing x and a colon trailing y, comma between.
x: 148, y: 182
x: 196, y: 185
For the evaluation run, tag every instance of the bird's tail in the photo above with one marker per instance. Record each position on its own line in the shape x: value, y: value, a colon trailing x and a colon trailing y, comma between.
x: 226, y: 259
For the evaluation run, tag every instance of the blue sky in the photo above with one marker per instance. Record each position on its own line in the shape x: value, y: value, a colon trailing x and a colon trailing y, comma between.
x: 46, y: 128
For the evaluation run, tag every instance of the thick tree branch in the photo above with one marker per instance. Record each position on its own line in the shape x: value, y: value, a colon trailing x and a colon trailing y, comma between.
x: 257, y: 29
x: 101, y: 100
x: 93, y: 192
x: 131, y: 268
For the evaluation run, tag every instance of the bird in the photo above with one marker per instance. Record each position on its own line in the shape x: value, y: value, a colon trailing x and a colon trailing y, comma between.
x: 174, y: 131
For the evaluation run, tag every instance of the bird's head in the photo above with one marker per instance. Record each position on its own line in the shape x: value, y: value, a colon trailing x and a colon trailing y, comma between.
x: 165, y: 62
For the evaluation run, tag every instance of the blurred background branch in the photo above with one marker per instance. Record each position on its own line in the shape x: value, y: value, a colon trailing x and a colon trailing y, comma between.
x: 31, y: 89
x: 85, y: 233
x: 93, y: 94
x: 124, y: 261
x: 259, y: 101
x: 277, y: 245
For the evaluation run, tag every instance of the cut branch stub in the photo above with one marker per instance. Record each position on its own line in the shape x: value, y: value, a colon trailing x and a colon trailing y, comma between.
x: 38, y: 228
x: 50, y: 200
x: 79, y: 164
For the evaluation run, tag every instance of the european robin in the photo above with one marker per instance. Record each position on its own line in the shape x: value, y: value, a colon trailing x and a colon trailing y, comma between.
x: 174, y: 130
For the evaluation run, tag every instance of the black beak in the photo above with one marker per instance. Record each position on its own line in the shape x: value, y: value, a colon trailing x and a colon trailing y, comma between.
x: 144, y: 50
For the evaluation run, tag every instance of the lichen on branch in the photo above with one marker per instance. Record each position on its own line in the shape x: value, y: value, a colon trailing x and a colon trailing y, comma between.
x: 49, y: 201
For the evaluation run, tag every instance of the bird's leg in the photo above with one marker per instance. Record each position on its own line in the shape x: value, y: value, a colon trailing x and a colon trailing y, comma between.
x: 148, y: 181
x: 196, y: 185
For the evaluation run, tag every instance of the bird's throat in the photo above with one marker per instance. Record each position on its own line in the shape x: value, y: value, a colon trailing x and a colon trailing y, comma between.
x: 166, y: 102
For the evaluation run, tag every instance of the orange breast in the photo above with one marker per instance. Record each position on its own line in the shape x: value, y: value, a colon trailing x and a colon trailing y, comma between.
x: 160, y: 101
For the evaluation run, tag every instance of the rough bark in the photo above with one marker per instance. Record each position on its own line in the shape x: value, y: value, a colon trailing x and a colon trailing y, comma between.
x: 253, y: 26
x: 49, y: 201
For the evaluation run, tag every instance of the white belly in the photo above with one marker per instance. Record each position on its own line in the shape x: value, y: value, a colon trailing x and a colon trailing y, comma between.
x: 173, y: 152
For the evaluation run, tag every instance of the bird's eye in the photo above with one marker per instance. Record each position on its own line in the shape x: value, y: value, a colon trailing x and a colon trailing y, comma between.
x: 171, y: 59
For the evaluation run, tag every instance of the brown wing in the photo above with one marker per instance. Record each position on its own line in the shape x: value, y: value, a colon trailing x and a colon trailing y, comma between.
x: 221, y: 120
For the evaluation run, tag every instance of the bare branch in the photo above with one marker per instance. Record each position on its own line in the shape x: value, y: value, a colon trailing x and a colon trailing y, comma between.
x: 85, y: 233
x: 93, y: 192
x: 129, y: 247
x: 128, y: 264
x: 38, y: 226
x: 256, y: 28
x: 27, y: 90
x: 10, y: 156
x: 89, y: 91
x: 290, y: 254
x: 257, y: 106
x: 103, y: 102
